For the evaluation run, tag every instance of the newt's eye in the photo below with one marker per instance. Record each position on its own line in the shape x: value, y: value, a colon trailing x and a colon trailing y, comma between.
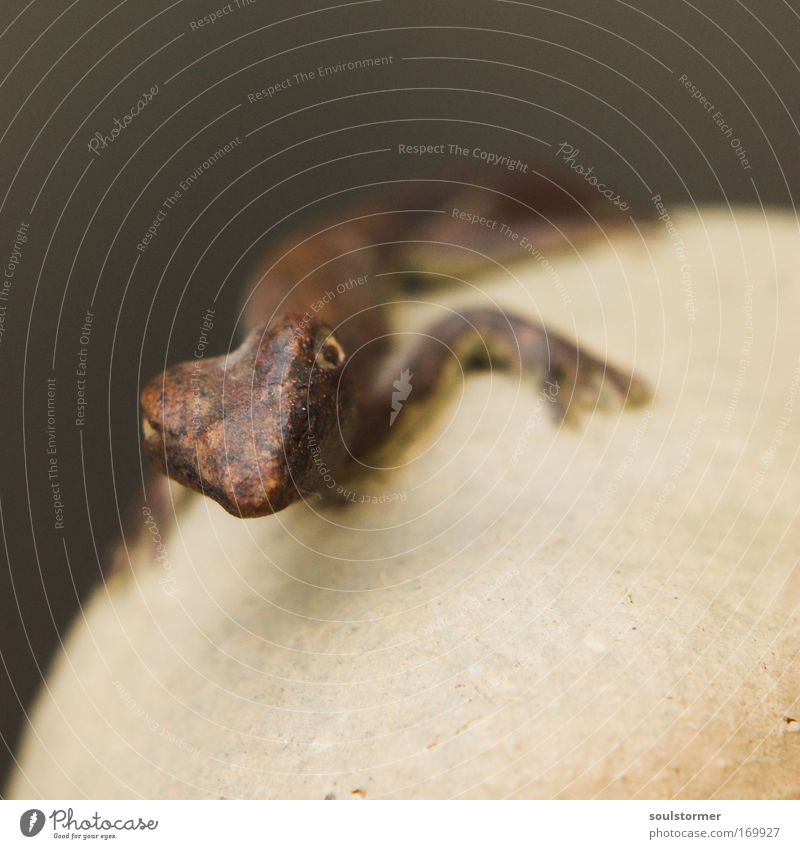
x: 331, y: 354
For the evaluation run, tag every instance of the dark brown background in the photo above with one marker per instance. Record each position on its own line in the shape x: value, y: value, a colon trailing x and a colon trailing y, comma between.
x: 602, y: 76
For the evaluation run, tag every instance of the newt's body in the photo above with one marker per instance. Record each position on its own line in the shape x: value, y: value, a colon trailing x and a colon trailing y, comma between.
x: 309, y: 391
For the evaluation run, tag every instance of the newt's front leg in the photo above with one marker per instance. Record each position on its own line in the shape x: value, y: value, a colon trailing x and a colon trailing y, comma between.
x: 574, y: 380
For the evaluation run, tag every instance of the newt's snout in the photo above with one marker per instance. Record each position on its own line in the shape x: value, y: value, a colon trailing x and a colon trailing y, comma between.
x: 245, y: 428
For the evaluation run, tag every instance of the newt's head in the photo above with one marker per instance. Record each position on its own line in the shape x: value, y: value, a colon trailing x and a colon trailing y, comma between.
x: 257, y: 428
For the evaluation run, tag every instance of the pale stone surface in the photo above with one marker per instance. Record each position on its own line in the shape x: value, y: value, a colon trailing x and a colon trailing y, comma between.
x: 605, y: 611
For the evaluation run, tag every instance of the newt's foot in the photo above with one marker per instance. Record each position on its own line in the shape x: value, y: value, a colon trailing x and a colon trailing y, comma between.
x: 584, y: 384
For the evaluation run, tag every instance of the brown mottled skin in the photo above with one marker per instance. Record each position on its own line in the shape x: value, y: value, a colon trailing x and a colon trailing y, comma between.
x: 309, y: 390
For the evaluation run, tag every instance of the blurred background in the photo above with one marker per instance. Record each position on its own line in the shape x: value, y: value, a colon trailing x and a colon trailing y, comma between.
x: 150, y: 150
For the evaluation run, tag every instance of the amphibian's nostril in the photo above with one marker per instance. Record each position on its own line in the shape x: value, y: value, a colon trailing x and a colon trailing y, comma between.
x: 331, y: 355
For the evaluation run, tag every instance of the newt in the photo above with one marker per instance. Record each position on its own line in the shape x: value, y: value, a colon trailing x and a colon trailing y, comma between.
x: 314, y: 384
